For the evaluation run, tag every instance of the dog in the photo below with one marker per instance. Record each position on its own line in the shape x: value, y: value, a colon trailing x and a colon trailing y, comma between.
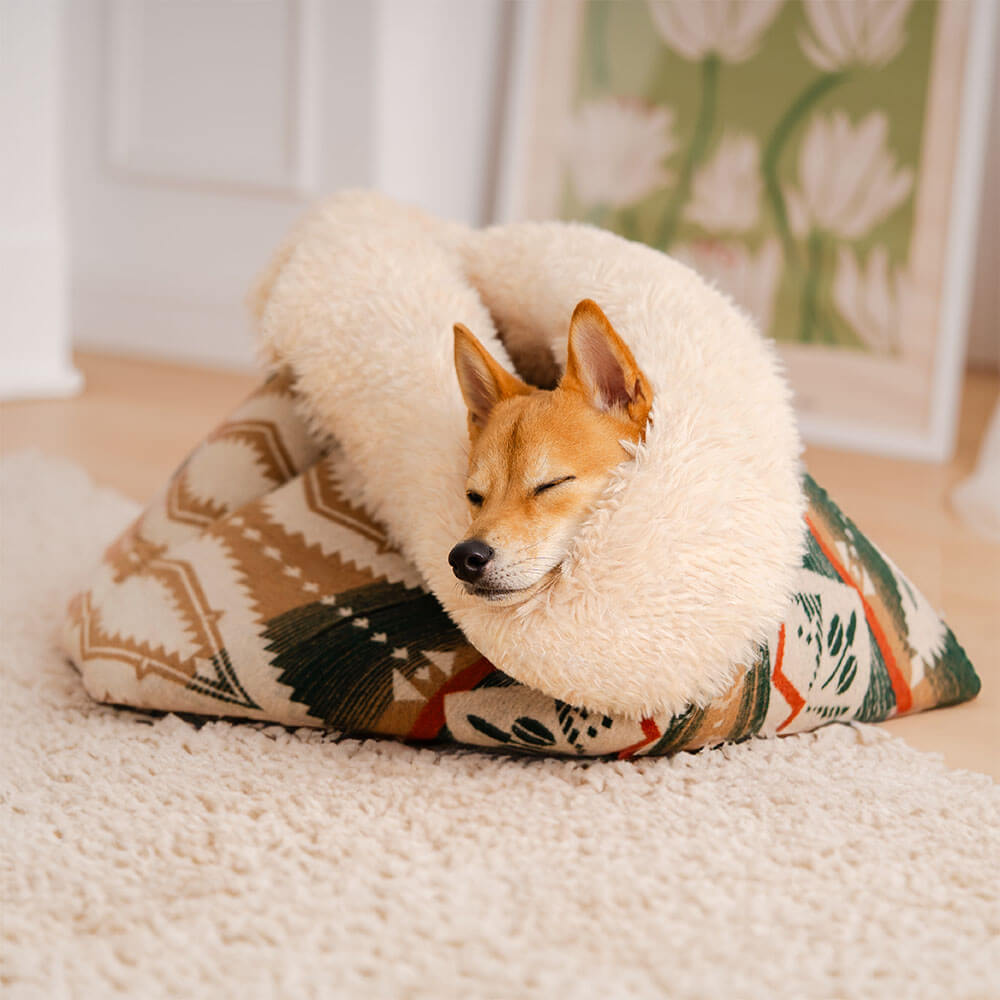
x: 540, y: 459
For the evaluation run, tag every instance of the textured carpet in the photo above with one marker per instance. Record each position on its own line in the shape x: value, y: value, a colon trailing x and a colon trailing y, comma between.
x: 145, y: 857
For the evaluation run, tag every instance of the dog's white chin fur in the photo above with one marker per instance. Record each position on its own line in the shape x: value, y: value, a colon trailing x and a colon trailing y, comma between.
x: 505, y: 598
x: 501, y: 598
x: 688, y: 561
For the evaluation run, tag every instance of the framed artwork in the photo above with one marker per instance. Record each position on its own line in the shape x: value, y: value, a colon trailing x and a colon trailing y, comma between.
x: 819, y: 160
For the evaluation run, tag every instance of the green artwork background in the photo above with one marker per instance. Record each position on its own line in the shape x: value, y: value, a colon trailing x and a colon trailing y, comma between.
x: 623, y: 56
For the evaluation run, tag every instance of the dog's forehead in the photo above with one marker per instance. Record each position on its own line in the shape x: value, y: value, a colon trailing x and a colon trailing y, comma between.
x: 515, y: 439
x: 529, y: 438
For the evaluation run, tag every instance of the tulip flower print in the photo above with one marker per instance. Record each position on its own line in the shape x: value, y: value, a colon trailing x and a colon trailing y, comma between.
x: 848, y: 178
x: 863, y: 32
x: 849, y: 182
x: 730, y: 29
x: 871, y: 300
x: 710, y: 32
x: 726, y: 190
x: 615, y: 151
x: 844, y: 34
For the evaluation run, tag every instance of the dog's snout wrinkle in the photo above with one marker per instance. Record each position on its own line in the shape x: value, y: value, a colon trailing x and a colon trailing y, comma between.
x: 469, y: 559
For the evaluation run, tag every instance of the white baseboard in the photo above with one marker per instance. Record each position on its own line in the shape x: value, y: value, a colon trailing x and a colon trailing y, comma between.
x: 34, y: 331
x: 39, y: 381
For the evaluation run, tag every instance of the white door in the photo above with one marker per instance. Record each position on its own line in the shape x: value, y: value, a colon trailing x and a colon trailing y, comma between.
x: 199, y: 130
x: 34, y: 323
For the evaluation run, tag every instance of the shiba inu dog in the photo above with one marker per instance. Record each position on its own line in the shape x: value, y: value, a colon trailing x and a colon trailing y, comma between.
x: 540, y: 459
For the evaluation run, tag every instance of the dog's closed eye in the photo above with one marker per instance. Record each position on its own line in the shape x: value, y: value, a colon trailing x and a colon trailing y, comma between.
x: 476, y: 499
x: 555, y: 482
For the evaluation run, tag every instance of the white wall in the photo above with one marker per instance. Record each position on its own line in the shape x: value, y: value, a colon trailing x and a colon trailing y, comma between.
x: 437, y: 105
x: 34, y: 322
x: 984, y: 316
x: 197, y: 133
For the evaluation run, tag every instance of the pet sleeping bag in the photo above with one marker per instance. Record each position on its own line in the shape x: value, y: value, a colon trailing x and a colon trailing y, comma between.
x: 284, y: 567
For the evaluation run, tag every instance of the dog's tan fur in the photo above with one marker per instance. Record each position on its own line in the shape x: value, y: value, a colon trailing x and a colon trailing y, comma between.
x: 568, y: 439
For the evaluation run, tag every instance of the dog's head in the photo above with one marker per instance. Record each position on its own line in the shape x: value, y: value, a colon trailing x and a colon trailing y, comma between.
x: 540, y: 460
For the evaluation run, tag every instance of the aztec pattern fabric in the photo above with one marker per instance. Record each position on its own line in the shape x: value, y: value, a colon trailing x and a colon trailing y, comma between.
x: 251, y: 588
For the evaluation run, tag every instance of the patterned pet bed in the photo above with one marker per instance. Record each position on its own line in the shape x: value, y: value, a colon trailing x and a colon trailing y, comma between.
x: 250, y: 587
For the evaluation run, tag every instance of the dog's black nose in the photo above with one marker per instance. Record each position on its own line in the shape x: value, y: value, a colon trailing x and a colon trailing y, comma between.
x: 469, y: 559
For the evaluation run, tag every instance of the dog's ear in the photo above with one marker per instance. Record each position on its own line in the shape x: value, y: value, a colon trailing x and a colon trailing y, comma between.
x: 483, y: 381
x: 602, y: 368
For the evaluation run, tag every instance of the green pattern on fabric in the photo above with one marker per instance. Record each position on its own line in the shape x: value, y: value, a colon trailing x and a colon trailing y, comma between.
x: 880, y: 699
x: 755, y: 698
x: 336, y: 669
x: 954, y: 679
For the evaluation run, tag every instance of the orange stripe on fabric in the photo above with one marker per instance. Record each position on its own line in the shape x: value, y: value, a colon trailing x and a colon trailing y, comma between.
x: 650, y: 730
x: 785, y: 687
x: 904, y: 697
x: 431, y: 719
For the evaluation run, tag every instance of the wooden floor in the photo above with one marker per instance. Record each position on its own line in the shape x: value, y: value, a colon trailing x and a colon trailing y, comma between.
x: 136, y: 420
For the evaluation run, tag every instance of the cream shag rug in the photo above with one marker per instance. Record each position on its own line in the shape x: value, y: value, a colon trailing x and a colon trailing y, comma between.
x: 145, y: 857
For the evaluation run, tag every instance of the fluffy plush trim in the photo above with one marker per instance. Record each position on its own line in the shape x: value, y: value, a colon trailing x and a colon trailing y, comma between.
x: 688, y: 561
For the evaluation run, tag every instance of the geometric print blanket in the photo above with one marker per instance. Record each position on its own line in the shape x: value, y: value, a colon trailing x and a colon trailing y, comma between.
x: 251, y: 588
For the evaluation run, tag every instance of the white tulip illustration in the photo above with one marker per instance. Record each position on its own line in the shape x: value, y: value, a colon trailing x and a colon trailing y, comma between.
x: 615, y: 150
x: 847, y: 32
x: 710, y: 32
x: 731, y: 29
x: 870, y: 299
x: 751, y: 279
x: 849, y: 180
x: 726, y: 190
x: 844, y: 34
